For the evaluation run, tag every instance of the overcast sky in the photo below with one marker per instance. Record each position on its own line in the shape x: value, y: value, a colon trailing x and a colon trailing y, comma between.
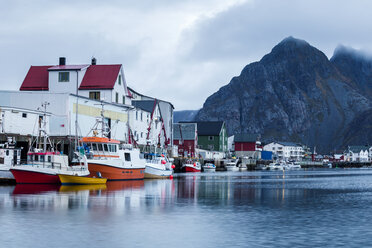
x: 179, y: 51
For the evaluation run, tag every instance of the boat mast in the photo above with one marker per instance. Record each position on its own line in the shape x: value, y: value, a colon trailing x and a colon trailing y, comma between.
x: 43, y: 130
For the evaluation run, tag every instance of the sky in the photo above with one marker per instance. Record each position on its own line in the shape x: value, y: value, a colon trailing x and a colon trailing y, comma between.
x: 180, y: 51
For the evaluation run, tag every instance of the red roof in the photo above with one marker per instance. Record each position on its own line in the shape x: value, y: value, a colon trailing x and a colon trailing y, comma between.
x: 36, y: 78
x: 67, y: 67
x: 100, y: 77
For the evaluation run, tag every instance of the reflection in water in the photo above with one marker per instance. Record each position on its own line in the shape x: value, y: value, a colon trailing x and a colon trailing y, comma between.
x: 260, y: 209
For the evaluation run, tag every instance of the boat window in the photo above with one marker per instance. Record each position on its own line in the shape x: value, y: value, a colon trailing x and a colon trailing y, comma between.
x: 42, y: 157
x: 106, y: 147
x: 49, y: 159
x: 127, y: 156
x: 94, y: 147
x: 100, y: 147
x: 114, y: 148
x: 7, y: 152
x: 36, y: 158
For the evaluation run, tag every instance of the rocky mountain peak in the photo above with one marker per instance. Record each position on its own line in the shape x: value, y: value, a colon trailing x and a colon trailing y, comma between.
x: 293, y: 93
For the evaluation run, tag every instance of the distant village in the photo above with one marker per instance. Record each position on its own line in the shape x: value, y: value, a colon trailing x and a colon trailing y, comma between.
x: 74, y: 96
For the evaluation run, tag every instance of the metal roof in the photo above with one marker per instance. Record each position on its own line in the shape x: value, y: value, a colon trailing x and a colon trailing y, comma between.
x: 146, y: 105
x: 36, y: 78
x: 100, y: 77
x: 208, y: 128
x: 188, y: 131
x: 67, y: 67
x: 358, y: 149
x: 245, y: 137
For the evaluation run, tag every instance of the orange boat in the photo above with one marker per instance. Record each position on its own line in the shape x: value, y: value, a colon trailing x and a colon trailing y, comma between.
x: 112, y: 160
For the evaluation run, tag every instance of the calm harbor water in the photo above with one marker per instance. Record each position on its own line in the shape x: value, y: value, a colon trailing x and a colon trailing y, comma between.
x: 313, y: 208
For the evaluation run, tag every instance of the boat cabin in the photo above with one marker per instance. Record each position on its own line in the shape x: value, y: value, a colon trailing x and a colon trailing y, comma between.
x: 9, y: 156
x: 47, y: 159
x: 99, y: 147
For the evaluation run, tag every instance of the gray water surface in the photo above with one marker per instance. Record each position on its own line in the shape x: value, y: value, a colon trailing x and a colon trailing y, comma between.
x: 314, y: 208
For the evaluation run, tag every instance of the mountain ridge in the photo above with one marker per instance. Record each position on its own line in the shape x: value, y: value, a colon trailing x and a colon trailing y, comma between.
x: 295, y: 93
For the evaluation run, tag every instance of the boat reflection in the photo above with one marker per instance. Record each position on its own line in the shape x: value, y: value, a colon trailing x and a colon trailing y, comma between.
x: 35, y: 188
x: 85, y: 187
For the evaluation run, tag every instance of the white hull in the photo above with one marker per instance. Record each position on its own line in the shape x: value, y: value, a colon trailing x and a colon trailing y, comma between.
x: 155, y: 172
x: 243, y: 168
x: 232, y: 168
x: 208, y: 169
x: 6, y: 174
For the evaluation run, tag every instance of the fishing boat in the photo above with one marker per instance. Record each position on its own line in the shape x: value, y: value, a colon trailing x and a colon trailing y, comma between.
x: 112, y: 160
x: 72, y: 179
x: 108, y: 157
x: 191, y: 166
x: 44, y: 163
x: 158, y: 166
x: 231, y: 164
x: 209, y: 167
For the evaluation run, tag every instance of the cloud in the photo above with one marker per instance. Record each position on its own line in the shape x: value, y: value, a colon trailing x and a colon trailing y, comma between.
x: 180, y: 51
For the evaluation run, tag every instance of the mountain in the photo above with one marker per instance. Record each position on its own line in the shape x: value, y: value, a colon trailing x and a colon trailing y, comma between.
x: 295, y: 93
x: 184, y: 115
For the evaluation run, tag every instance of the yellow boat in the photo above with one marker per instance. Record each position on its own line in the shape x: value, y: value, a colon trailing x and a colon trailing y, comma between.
x: 69, y: 179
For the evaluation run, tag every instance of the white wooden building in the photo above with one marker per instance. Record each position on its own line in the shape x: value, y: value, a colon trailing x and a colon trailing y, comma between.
x: 286, y: 151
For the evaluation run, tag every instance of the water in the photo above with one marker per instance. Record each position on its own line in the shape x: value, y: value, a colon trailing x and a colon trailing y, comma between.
x: 314, y: 208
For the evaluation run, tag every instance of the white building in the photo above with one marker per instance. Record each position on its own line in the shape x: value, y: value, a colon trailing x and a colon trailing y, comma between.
x: 357, y: 154
x: 285, y: 150
x: 21, y: 121
x: 75, y: 92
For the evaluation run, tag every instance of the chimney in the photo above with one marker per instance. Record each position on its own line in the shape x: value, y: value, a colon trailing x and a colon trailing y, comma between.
x: 94, y: 61
x: 62, y: 61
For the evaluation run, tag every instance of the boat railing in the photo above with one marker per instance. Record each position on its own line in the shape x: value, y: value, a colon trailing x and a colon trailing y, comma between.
x: 42, y: 164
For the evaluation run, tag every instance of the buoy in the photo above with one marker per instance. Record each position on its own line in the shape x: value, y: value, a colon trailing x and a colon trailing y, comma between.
x: 194, y: 164
x: 173, y: 166
x: 163, y: 162
x: 162, y: 155
x: 171, y: 177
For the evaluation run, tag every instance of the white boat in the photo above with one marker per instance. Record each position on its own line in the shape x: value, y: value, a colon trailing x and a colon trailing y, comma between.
x: 276, y: 166
x: 158, y: 166
x: 9, y: 156
x: 293, y: 166
x: 209, y: 167
x: 231, y: 165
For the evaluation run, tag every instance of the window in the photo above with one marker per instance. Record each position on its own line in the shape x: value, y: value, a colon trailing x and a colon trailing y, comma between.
x: 210, y: 137
x: 24, y: 115
x: 117, y: 97
x: 127, y: 156
x: 119, y: 80
x: 64, y: 76
x: 141, y: 116
x: 106, y: 147
x: 141, y: 134
x: 123, y: 99
x: 94, y: 147
x: 136, y: 115
x: 100, y: 147
x: 49, y: 159
x: 96, y: 95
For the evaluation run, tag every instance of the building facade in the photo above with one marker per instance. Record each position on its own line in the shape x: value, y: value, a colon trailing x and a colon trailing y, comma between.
x: 285, y: 151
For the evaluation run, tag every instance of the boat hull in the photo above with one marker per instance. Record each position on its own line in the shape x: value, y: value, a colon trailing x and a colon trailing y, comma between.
x: 116, y: 173
x: 6, y: 174
x: 76, y: 180
x: 191, y: 169
x: 232, y: 168
x: 155, y: 173
x: 209, y: 169
x: 25, y: 176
